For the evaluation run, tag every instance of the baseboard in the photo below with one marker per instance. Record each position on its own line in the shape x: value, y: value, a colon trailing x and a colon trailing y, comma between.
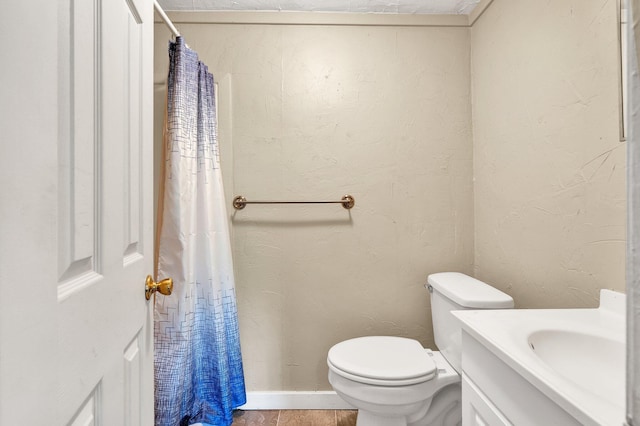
x: 292, y: 400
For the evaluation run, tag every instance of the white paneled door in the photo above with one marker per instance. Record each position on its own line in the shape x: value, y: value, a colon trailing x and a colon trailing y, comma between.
x: 76, y: 213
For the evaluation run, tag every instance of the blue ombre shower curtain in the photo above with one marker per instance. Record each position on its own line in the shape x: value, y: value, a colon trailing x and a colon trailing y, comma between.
x: 198, y: 367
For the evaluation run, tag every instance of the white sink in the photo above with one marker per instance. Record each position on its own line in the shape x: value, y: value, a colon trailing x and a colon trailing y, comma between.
x: 574, y: 357
x: 588, y: 360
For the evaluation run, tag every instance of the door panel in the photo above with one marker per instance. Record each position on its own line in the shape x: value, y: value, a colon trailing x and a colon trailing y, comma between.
x: 79, y: 145
x: 76, y: 338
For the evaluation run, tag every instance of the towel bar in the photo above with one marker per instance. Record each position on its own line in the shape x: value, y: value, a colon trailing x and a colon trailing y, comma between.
x: 239, y: 202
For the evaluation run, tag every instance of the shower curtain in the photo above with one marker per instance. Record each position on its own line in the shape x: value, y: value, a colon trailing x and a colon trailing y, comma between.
x: 198, y: 368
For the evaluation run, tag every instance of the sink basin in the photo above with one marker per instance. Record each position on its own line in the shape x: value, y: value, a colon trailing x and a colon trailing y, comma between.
x: 584, y: 359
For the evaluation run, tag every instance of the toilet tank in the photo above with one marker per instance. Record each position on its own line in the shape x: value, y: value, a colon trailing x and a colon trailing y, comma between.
x: 453, y: 291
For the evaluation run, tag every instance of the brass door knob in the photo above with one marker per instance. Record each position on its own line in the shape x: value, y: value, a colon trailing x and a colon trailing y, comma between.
x: 164, y: 287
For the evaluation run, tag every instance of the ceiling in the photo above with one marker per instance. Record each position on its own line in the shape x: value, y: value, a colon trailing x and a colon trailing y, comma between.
x: 349, y: 6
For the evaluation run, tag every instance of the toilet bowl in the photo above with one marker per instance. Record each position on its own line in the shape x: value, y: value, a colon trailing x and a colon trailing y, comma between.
x: 394, y: 381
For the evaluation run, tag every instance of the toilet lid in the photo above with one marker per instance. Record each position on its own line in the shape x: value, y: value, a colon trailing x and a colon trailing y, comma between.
x: 383, y: 358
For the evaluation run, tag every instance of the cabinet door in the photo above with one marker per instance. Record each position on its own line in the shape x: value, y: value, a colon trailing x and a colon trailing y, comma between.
x: 477, y: 410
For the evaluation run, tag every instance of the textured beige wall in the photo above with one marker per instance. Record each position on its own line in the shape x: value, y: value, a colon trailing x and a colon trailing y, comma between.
x: 549, y: 168
x: 382, y: 113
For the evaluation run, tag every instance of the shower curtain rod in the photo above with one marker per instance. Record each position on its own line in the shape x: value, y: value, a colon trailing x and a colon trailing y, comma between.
x: 165, y: 18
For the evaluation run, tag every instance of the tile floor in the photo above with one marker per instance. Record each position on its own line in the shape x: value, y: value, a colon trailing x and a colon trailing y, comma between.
x: 294, y: 418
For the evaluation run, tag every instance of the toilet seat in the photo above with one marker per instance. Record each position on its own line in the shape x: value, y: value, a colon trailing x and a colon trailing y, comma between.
x: 382, y: 361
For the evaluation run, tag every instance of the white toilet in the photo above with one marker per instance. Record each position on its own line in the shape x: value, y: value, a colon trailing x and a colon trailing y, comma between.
x: 394, y: 381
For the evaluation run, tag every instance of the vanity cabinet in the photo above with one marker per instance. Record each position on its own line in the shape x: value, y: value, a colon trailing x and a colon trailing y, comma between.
x: 493, y: 394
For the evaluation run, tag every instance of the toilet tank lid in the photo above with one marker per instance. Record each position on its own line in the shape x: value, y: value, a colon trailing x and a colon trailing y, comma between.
x: 469, y: 292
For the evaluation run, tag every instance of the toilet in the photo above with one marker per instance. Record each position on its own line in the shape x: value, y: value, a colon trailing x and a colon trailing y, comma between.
x: 394, y: 381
